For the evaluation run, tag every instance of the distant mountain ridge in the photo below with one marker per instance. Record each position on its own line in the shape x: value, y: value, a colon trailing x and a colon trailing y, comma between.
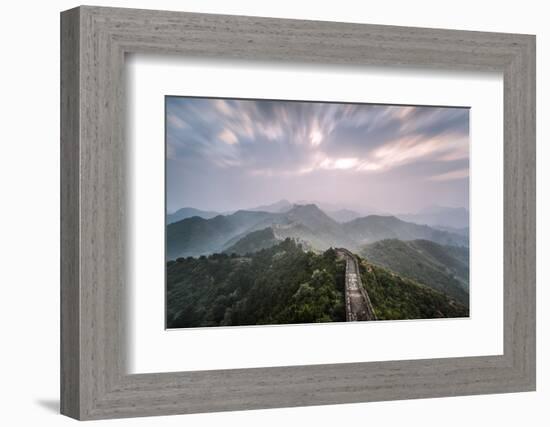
x: 372, y: 228
x: 277, y: 207
x: 184, y: 213
x: 343, y: 215
x: 310, y: 224
x: 464, y: 231
x: 336, y: 212
x: 199, y: 236
x: 440, y: 216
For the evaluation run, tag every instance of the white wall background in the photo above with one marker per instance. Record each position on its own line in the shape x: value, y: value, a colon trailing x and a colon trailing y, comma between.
x: 29, y: 224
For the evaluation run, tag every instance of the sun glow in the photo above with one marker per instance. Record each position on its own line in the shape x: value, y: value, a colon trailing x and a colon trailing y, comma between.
x: 315, y: 137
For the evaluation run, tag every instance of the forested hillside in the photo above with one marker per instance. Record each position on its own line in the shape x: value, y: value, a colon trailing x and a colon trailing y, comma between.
x: 279, y: 285
x: 394, y: 297
x: 443, y: 268
x: 286, y: 284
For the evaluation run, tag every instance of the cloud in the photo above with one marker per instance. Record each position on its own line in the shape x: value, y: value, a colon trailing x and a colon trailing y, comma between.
x: 443, y: 147
x: 228, y: 137
x: 452, y: 175
x: 303, y: 137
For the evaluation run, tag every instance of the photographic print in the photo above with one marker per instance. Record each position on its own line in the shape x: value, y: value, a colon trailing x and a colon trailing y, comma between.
x: 292, y: 212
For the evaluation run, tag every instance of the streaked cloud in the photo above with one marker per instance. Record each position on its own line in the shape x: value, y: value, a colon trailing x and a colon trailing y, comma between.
x: 297, y: 139
x: 228, y: 137
x: 457, y: 174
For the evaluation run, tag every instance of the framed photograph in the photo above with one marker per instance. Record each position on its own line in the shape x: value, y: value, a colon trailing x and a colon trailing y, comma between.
x: 262, y: 213
x: 290, y: 191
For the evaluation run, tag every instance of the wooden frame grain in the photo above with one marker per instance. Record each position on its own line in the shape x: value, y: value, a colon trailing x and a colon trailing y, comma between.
x: 94, y: 41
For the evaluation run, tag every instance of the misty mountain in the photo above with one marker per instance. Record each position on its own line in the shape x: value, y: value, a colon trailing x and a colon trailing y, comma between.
x: 277, y: 207
x: 254, y: 242
x: 333, y: 211
x: 443, y: 268
x: 465, y: 231
x: 310, y: 224
x: 188, y: 213
x: 372, y: 228
x: 198, y: 236
x: 329, y: 208
x: 343, y: 215
x: 440, y: 216
x: 305, y: 223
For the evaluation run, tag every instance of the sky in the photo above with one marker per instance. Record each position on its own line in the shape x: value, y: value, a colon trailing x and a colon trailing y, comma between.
x: 229, y: 154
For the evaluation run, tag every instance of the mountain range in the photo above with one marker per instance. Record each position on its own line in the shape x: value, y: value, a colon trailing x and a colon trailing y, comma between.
x: 440, y: 216
x: 184, y: 213
x: 455, y: 220
x: 194, y: 236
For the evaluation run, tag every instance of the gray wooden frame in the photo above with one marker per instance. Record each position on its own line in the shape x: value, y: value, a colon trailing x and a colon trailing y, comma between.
x: 94, y: 41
